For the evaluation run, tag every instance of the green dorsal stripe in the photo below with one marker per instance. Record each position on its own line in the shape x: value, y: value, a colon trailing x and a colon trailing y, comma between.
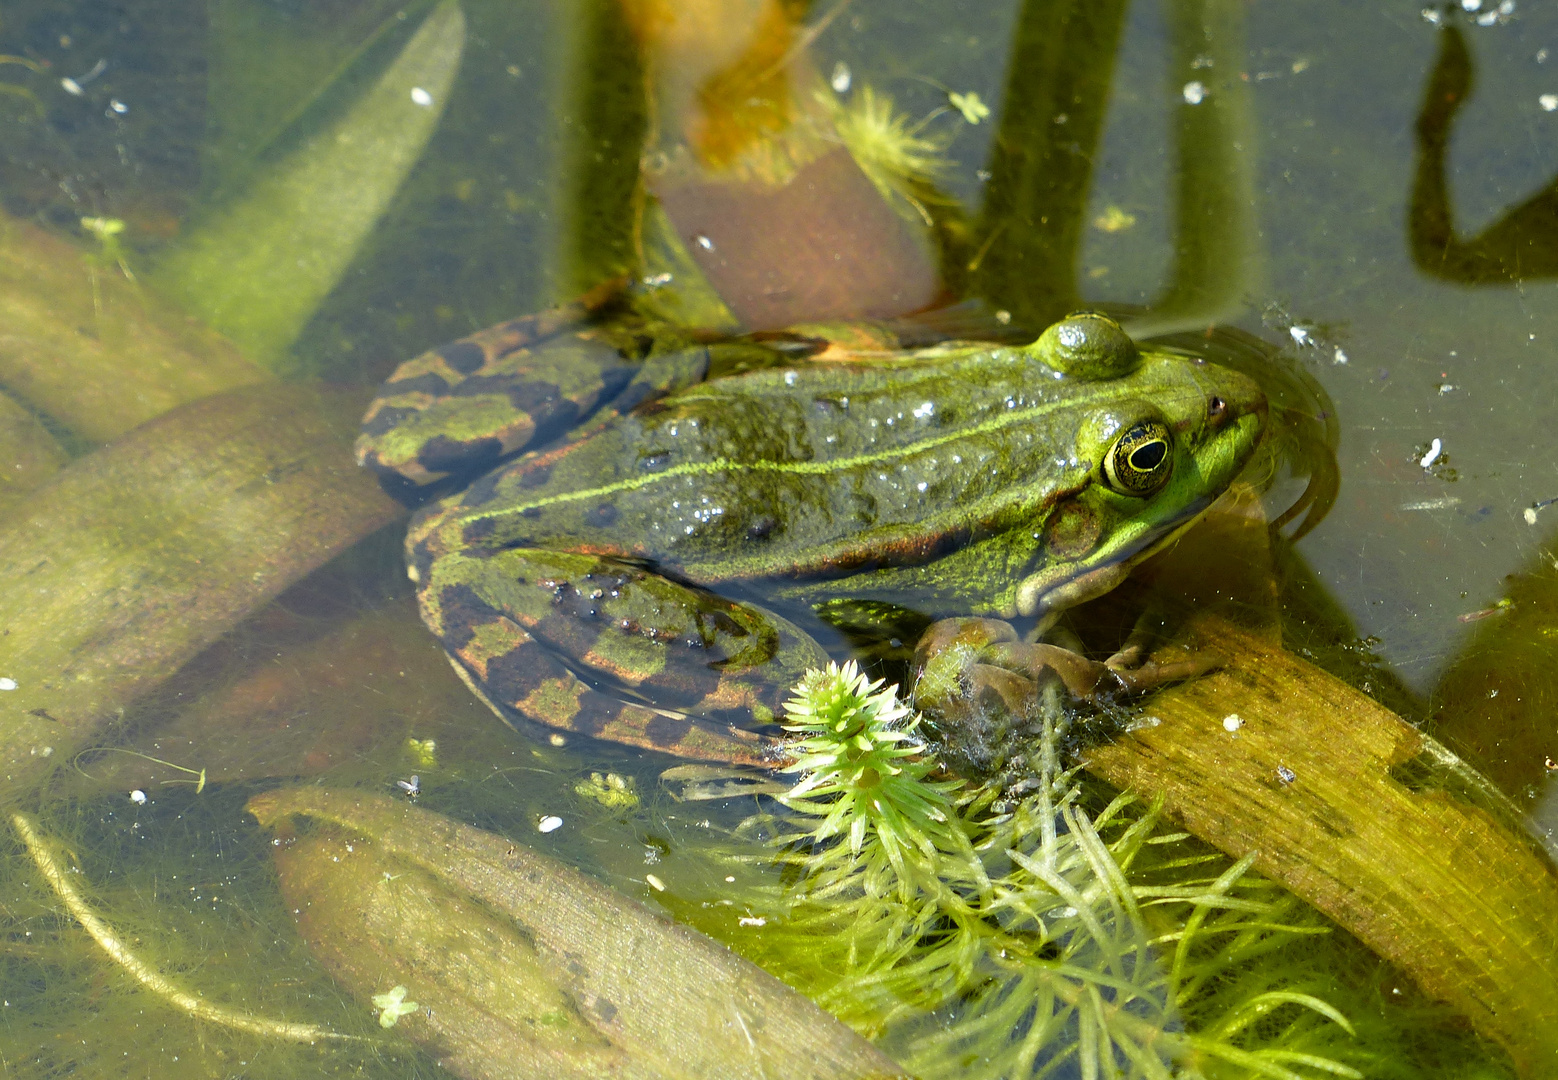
x: 1108, y: 392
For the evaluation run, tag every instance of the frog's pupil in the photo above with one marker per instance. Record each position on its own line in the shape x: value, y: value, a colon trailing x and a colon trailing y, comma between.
x: 1149, y: 457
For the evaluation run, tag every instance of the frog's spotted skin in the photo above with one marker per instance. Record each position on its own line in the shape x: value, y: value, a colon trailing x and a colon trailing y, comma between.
x: 576, y: 585
x: 506, y: 620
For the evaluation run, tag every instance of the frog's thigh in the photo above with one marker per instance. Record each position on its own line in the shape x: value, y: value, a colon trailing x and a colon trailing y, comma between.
x: 527, y: 623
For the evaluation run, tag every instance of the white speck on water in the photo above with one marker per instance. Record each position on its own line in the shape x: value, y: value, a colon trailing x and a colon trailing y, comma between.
x: 1548, y: 102
x: 704, y: 242
x: 752, y: 920
x: 1299, y: 335
x: 7, y: 683
x: 1433, y: 504
x: 550, y: 823
x: 1431, y: 16
x: 1285, y: 774
x: 421, y: 97
x: 1339, y: 357
x: 1232, y: 722
x: 789, y: 378
x: 1530, y: 515
x: 1003, y: 316
x: 72, y: 87
x: 1541, y: 56
x: 1195, y: 92
x: 1471, y: 5
x: 115, y: 105
x: 1435, y: 448
x: 1446, y: 388
x: 841, y: 78
x: 557, y: 740
x: 138, y: 797
x: 924, y: 409
x: 730, y: 877
x: 655, y: 883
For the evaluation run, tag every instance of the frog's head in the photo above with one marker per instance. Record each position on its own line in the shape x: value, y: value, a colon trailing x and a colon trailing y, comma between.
x: 1160, y: 436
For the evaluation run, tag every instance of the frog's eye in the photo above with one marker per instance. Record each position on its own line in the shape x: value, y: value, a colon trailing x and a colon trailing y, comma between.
x: 1141, y: 459
x: 1088, y: 345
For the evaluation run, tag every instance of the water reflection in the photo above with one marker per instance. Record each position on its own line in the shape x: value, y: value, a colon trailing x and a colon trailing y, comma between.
x: 1522, y: 244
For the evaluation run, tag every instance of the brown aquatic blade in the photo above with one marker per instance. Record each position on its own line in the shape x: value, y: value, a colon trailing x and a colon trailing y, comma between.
x: 137, y: 556
x: 523, y: 966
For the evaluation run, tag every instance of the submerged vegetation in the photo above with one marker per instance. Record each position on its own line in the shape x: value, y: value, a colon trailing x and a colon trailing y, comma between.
x: 1004, y: 934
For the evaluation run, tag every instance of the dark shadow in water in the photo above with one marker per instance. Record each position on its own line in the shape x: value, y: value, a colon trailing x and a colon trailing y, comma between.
x: 1521, y: 244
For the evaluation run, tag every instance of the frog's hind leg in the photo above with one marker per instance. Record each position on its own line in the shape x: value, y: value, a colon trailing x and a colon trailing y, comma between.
x: 459, y: 409
x: 527, y: 686
x: 606, y: 648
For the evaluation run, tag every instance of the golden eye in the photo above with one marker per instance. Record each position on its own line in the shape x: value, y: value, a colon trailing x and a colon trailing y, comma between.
x: 1140, y: 461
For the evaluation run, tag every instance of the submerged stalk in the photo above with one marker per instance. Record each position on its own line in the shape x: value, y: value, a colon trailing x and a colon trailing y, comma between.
x: 143, y: 972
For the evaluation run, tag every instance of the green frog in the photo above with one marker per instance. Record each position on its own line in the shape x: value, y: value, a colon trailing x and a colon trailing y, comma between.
x: 652, y: 521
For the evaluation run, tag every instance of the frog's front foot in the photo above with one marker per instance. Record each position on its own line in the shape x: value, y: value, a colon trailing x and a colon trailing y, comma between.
x: 960, y: 663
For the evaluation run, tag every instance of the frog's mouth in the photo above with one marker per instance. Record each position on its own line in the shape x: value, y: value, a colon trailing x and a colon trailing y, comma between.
x: 1054, y: 591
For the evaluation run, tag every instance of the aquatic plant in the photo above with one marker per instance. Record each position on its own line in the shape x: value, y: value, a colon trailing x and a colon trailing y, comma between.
x: 901, y: 161
x: 987, y: 934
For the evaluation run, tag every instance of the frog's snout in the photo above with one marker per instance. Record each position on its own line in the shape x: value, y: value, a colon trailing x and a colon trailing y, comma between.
x: 1229, y: 404
x: 1236, y: 404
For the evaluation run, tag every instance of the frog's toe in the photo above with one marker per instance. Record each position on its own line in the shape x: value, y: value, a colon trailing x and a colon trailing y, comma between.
x: 1138, y: 675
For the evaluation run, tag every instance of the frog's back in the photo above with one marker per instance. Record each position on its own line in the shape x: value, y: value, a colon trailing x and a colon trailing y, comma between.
x: 822, y: 469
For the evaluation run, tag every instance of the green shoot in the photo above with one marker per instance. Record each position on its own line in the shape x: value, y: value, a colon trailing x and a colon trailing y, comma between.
x: 198, y: 774
x: 994, y: 937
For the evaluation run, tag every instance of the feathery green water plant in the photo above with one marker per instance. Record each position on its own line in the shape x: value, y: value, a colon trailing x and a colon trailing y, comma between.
x: 982, y: 934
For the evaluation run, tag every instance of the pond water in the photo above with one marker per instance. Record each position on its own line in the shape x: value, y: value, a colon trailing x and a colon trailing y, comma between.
x: 1366, y: 188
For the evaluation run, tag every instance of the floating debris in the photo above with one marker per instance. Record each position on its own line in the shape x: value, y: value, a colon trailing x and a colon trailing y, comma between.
x: 1433, y: 504
x: 412, y: 787
x: 611, y: 790
x: 550, y: 823
x: 73, y: 87
x: 138, y: 797
x: 393, y: 1005
x: 1114, y: 219
x: 1548, y: 102
x: 1285, y: 774
x: 421, y: 97
x: 1529, y: 514
x: 1232, y: 722
x: 7, y: 683
x: 655, y: 883
x: 1194, y: 92
x: 973, y: 109
x: 841, y: 78
x: 1488, y: 612
x: 1435, y: 448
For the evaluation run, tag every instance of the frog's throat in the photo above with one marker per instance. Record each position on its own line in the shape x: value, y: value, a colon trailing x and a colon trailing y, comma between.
x: 1049, y: 591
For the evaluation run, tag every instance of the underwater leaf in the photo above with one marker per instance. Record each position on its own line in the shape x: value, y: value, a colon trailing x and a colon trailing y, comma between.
x: 258, y: 266
x: 142, y: 553
x: 87, y: 347
x: 1485, y: 942
x: 524, y: 966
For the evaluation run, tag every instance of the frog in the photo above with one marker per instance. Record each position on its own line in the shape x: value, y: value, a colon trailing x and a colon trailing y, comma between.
x: 635, y: 533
